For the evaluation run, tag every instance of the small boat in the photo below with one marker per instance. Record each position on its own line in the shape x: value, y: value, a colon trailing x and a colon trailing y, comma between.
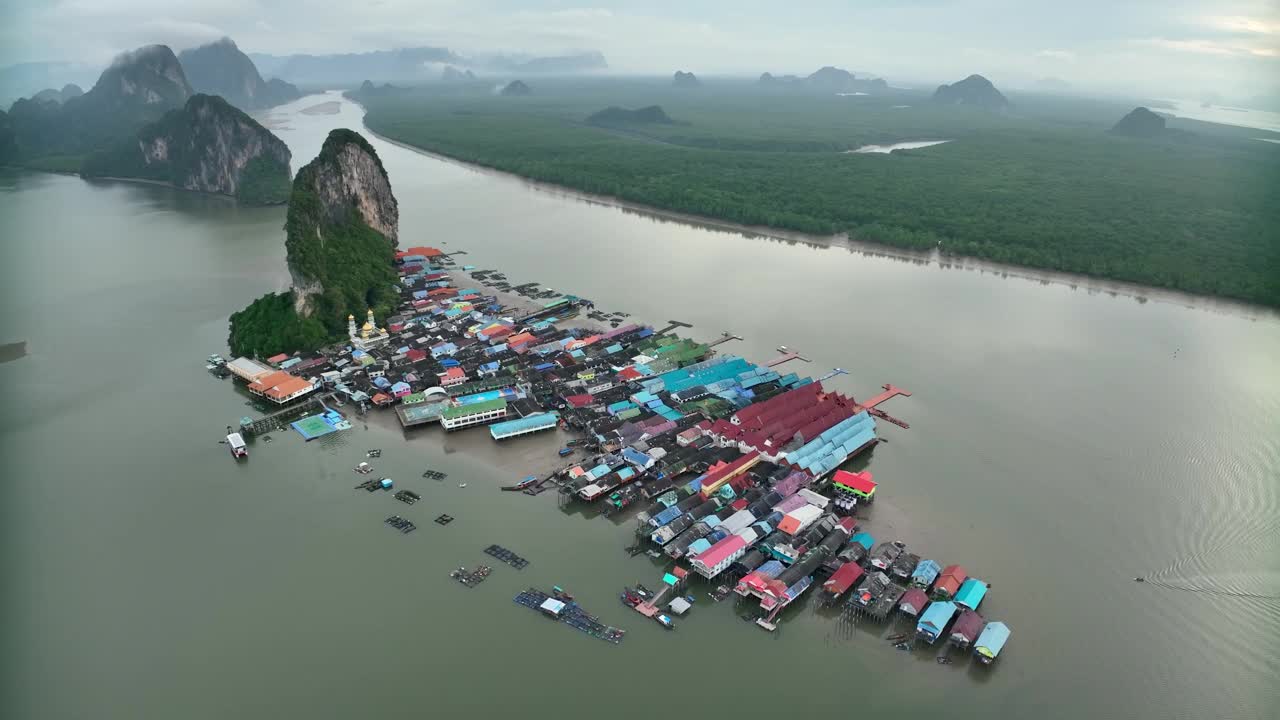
x: 374, y: 453
x: 236, y: 443
x: 899, y: 637
x: 528, y: 481
x: 462, y: 485
x: 364, y: 468
x: 566, y: 452
x: 665, y: 621
x: 1139, y: 579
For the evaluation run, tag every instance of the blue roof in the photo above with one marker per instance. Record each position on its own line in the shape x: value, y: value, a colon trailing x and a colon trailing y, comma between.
x: 992, y: 639
x: 926, y: 572
x: 971, y: 593
x: 541, y: 421
x: 863, y: 539
x: 936, y: 617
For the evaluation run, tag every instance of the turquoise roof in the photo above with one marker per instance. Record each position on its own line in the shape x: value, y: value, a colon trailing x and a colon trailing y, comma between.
x: 971, y: 593
x: 863, y: 539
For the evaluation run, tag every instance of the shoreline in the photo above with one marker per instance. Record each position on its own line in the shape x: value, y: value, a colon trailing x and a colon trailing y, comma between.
x: 1136, y: 291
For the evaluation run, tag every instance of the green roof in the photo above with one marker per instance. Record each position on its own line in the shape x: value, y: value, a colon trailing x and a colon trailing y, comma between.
x: 474, y: 408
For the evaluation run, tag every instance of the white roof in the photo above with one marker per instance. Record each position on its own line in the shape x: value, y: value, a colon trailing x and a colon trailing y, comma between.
x: 552, y: 606
x: 248, y: 369
x: 235, y: 440
x: 679, y: 606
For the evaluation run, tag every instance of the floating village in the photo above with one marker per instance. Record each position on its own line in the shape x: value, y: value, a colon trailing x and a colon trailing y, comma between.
x: 735, y: 471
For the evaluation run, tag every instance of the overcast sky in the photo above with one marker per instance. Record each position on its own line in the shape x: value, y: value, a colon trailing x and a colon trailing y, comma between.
x: 1152, y: 47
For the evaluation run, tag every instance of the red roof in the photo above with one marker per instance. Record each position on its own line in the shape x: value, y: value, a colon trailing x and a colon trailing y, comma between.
x: 843, y: 578
x: 628, y: 373
x: 579, y: 400
x: 720, y: 551
x: 860, y: 481
x: 381, y: 399
x: 915, y: 599
x: 415, y: 355
x: 950, y: 580
x: 278, y: 358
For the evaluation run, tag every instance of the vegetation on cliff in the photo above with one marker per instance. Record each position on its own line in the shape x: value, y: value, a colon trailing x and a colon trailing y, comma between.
x: 340, y: 263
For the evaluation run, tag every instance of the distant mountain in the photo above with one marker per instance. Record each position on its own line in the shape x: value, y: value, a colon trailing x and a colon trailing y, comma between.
x: 685, y: 80
x: 408, y: 65
x: 840, y: 80
x: 1140, y: 122
x: 413, y: 66
x: 515, y: 88
x: 974, y: 90
x: 67, y: 92
x: 771, y: 79
x: 827, y: 79
x: 562, y: 64
x: 26, y: 79
x: 368, y: 90
x: 206, y: 146
x: 453, y: 74
x: 219, y: 68
x: 138, y: 88
x: 652, y: 115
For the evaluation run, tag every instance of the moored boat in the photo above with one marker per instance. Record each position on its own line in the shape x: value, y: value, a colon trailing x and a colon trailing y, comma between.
x: 236, y: 443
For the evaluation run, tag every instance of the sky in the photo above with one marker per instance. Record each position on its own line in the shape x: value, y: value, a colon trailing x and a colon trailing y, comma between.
x: 1171, y: 48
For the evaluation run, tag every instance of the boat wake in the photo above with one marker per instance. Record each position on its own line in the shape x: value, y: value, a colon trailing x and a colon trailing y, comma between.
x: 1221, y: 592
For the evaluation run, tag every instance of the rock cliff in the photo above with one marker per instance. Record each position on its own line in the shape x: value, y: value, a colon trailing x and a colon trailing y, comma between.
x: 207, y: 146
x: 342, y: 227
x: 340, y: 238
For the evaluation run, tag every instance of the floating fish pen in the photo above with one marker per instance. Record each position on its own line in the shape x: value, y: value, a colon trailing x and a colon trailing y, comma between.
x: 507, y: 556
x: 401, y: 524
x: 471, y: 578
x: 408, y: 497
x: 434, y: 475
x: 570, y: 613
x: 444, y: 519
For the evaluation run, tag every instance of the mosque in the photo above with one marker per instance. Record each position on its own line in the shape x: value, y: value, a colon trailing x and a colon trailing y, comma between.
x: 369, y: 336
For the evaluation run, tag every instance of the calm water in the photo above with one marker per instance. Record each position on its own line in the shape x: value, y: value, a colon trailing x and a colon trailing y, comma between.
x: 1063, y: 440
x: 909, y: 145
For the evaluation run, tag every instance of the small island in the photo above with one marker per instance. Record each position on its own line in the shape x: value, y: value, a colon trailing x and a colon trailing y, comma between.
x: 613, y: 115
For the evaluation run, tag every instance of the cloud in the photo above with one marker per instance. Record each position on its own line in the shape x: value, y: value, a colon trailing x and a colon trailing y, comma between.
x: 1212, y: 47
x: 1243, y: 24
x: 1063, y: 55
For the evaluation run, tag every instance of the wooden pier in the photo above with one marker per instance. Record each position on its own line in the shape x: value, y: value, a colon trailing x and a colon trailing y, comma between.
x: 278, y: 420
x: 787, y: 356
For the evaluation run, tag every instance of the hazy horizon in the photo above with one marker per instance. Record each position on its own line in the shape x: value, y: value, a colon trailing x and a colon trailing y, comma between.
x: 1182, y: 48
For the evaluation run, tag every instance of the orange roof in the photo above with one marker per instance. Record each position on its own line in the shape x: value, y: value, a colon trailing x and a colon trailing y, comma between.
x: 278, y: 358
x: 421, y: 250
x: 269, y: 381
x: 289, y: 387
x: 278, y: 385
